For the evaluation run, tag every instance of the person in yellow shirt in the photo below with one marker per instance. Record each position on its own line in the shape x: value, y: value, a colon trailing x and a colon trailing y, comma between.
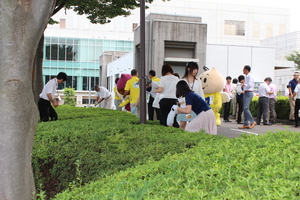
x: 152, y: 95
x: 132, y: 88
x: 117, y: 100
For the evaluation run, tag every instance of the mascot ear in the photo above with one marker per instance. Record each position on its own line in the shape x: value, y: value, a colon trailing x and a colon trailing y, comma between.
x: 205, y: 68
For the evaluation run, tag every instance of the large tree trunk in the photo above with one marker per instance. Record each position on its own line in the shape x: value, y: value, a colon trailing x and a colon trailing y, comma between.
x: 22, y: 23
x: 37, y: 72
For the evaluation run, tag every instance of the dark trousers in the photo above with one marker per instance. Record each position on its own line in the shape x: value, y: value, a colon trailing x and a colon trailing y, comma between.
x: 240, y: 103
x: 165, y: 105
x: 263, y: 109
x: 272, y: 106
x: 46, y: 110
x: 151, y: 110
x: 297, y: 108
x: 226, y: 110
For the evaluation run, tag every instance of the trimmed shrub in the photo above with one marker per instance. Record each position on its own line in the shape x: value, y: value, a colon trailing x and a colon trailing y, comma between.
x: 69, y: 96
x: 247, y: 167
x: 88, y: 144
x: 282, y: 107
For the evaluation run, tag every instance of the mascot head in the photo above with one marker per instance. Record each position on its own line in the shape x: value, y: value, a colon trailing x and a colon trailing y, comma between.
x: 212, y: 81
x: 122, y: 82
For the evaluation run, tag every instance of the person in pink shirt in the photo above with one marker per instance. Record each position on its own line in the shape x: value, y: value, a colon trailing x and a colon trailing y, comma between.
x: 227, y: 89
x: 272, y: 102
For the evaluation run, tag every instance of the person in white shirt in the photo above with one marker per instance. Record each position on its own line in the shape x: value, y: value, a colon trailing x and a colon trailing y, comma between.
x: 248, y: 95
x: 102, y: 94
x: 296, y: 96
x: 233, y: 100
x: 167, y: 90
x: 264, y: 92
x: 47, y: 97
x: 228, y: 89
x: 190, y: 76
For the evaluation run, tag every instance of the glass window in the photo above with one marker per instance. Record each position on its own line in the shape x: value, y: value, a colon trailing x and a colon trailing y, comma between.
x: 46, y: 40
x: 234, y: 28
x: 69, y: 40
x: 113, y: 43
x: 54, y: 40
x: 256, y: 29
x: 99, y: 42
x: 84, y: 41
x: 76, y: 41
x: 62, y: 23
x: 85, y: 82
x: 106, y: 42
x: 120, y: 49
x: 91, y: 42
x: 60, y: 52
x: 71, y: 82
x: 120, y: 43
x: 86, y: 101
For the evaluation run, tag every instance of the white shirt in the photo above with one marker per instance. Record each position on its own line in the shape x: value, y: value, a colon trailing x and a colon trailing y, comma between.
x: 263, y: 90
x: 238, y: 88
x: 154, y: 86
x: 103, y: 93
x: 51, y: 88
x: 249, y: 82
x: 297, y: 90
x: 196, y: 86
x: 233, y: 86
x: 168, y: 83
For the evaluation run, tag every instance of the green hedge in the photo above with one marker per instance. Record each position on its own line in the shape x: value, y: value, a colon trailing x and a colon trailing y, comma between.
x: 282, y: 107
x: 87, y: 144
x: 247, y: 167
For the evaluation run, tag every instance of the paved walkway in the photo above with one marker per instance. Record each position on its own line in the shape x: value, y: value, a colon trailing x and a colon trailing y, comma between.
x: 231, y: 130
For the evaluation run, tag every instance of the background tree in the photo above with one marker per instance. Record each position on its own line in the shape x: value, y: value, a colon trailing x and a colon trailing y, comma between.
x: 22, y: 25
x: 69, y: 96
x: 295, y: 56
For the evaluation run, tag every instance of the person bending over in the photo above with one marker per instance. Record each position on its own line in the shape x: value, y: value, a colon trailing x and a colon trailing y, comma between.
x: 205, y: 118
x: 47, y: 97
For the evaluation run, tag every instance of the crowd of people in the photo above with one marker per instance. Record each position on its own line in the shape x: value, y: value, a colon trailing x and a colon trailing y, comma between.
x: 179, y: 101
x: 242, y: 91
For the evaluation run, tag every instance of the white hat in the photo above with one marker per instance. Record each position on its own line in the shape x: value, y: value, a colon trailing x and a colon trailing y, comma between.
x: 296, y: 73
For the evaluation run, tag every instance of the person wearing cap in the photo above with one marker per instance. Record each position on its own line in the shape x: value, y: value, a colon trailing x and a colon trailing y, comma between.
x: 228, y: 90
x: 102, y: 94
x: 264, y: 92
x: 46, y: 110
x: 248, y: 86
x: 291, y: 87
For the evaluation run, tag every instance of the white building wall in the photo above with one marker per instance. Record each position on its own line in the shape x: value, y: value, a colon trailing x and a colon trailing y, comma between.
x: 230, y: 60
x: 123, y: 65
x: 260, y: 22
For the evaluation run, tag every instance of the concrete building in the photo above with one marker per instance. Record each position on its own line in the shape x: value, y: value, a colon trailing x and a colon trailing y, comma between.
x: 284, y: 44
x: 174, y: 39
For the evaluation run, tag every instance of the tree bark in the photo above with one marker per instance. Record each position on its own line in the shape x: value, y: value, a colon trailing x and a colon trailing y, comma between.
x: 37, y: 72
x: 21, y: 22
